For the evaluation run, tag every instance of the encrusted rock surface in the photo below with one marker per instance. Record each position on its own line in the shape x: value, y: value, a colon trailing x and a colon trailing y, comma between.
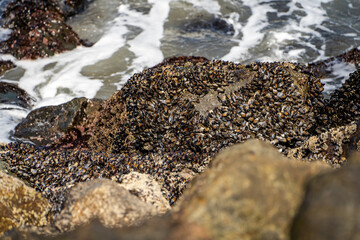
x: 250, y: 191
x: 333, y: 146
x: 344, y: 105
x: 331, y: 209
x: 195, y: 106
x: 21, y: 205
x: 38, y: 30
x: 63, y: 124
x: 108, y: 201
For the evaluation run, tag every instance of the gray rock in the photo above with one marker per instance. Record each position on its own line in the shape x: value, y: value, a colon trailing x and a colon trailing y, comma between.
x: 331, y: 208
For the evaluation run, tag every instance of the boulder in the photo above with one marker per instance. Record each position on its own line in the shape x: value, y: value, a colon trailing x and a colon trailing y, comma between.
x: 332, y: 146
x: 331, y: 208
x: 105, y: 200
x: 38, y: 30
x: 21, y: 205
x: 63, y: 124
x: 195, y: 106
x: 250, y: 191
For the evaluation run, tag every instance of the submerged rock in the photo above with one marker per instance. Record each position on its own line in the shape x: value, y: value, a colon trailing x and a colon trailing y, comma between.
x: 331, y: 209
x: 21, y: 205
x: 64, y: 124
x: 38, y: 30
x: 13, y: 95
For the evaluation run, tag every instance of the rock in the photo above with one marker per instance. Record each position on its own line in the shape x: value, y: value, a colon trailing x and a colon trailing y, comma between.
x: 13, y: 95
x: 331, y: 208
x: 64, y: 124
x: 250, y: 192
x: 203, y: 106
x: 71, y: 7
x: 333, y: 146
x: 21, y: 205
x: 147, y: 189
x: 105, y: 200
x: 38, y: 30
x: 5, y: 66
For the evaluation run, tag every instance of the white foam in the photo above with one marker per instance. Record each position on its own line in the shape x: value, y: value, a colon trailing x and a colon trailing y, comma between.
x: 146, y: 45
x: 340, y: 73
x: 301, y: 30
x: 10, y: 116
x: 4, y: 33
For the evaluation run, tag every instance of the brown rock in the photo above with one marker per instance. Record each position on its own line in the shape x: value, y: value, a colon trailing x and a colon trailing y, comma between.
x: 38, y: 30
x: 21, y: 205
x: 105, y: 200
x: 331, y: 208
x: 5, y: 66
x: 250, y: 192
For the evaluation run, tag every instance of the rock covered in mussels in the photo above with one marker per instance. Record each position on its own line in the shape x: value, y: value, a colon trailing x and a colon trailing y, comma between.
x: 344, y: 104
x: 38, y: 30
x: 13, y: 95
x: 332, y: 146
x: 54, y: 172
x: 195, y: 107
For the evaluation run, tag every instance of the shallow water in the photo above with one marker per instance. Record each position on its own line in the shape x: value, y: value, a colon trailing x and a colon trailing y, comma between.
x: 132, y: 35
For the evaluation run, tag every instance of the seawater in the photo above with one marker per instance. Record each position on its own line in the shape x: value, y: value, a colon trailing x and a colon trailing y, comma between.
x: 130, y: 36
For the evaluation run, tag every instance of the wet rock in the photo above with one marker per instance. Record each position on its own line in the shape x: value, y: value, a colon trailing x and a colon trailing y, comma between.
x: 106, y: 200
x: 324, y: 68
x: 147, y: 189
x: 250, y: 191
x: 38, y: 30
x: 13, y: 95
x: 21, y: 205
x: 210, y: 23
x: 71, y: 7
x: 5, y: 66
x: 331, y: 208
x: 333, y: 146
x: 64, y: 124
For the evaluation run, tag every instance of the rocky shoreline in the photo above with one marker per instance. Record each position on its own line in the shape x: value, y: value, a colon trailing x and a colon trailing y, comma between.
x: 187, y: 149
